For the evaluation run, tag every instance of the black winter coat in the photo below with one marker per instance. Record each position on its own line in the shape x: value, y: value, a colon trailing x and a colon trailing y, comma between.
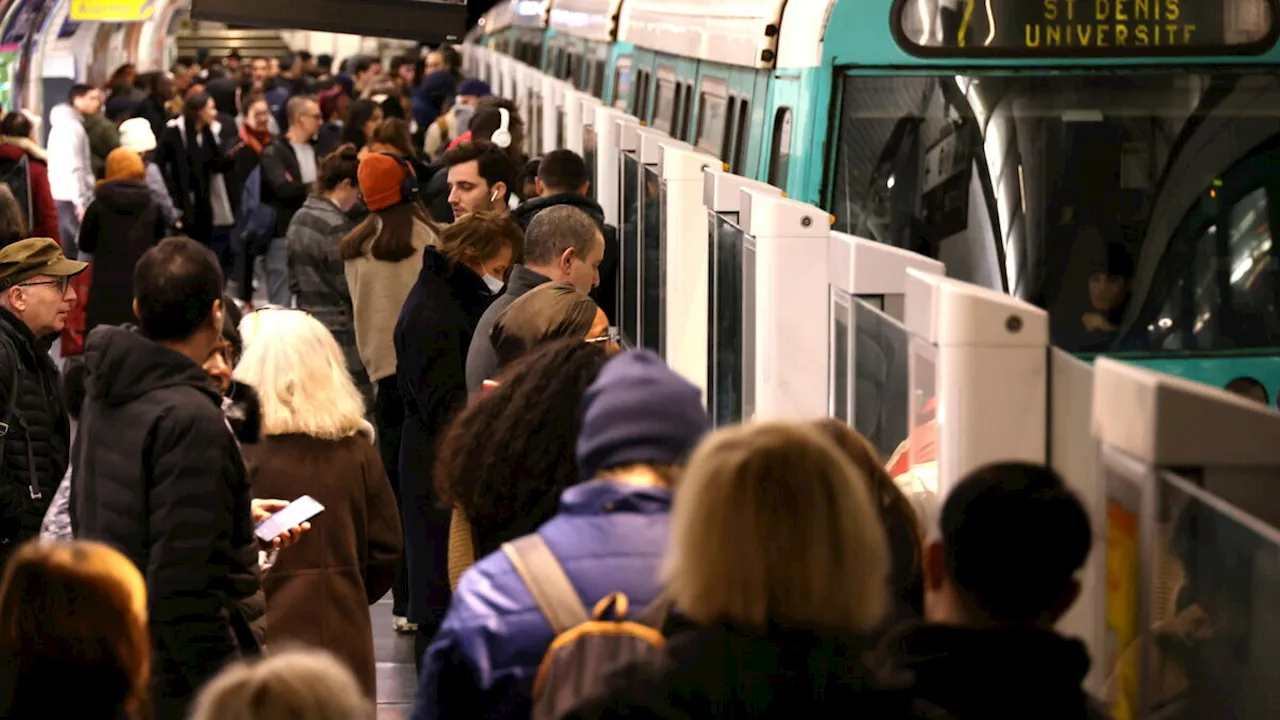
x: 121, y: 224
x: 159, y: 476
x: 36, y: 447
x: 188, y: 166
x: 432, y: 335
x: 606, y: 294
x: 282, y: 186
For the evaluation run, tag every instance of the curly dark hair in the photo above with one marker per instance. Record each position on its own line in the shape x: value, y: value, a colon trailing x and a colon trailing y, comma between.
x: 505, y: 459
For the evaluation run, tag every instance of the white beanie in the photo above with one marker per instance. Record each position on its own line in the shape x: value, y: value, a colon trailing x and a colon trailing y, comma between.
x: 136, y: 135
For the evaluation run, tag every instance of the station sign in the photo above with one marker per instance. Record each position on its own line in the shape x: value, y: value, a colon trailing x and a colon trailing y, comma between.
x: 111, y: 10
x: 975, y: 28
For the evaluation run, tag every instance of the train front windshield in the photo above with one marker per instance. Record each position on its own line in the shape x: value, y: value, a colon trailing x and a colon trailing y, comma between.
x: 1051, y: 186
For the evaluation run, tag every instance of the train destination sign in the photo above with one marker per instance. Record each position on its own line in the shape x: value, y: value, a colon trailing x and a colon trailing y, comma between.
x: 1079, y: 27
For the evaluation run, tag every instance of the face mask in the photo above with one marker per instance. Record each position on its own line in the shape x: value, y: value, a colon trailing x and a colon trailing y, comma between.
x: 495, y: 284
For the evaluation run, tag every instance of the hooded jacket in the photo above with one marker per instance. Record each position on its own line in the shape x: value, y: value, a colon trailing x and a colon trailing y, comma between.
x: 606, y: 293
x: 159, y: 476
x: 70, y: 160
x: 608, y: 537
x: 44, y: 213
x: 123, y: 222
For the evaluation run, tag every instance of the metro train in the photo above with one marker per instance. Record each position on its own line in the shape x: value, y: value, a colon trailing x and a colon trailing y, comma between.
x: 1113, y: 162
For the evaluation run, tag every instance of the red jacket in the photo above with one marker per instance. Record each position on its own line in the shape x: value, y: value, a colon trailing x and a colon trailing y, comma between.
x: 44, y: 214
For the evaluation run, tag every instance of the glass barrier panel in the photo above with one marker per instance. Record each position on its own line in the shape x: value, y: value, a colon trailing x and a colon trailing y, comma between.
x: 652, y: 260
x: 914, y: 464
x: 589, y: 156
x: 748, y: 327
x: 1122, y: 660
x: 841, y: 322
x: 878, y: 360
x: 725, y: 340
x: 1215, y: 643
x: 632, y: 216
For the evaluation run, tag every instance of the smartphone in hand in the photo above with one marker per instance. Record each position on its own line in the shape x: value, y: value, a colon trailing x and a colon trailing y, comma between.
x: 294, y: 514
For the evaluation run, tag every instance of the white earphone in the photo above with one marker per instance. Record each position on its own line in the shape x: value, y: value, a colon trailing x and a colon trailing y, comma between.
x: 493, y: 196
x: 502, y: 136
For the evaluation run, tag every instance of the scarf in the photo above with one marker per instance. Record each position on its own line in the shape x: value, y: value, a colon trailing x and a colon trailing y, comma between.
x: 255, y: 140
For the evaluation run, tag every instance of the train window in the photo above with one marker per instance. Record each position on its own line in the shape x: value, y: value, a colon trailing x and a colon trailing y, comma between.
x: 739, y: 160
x: 640, y: 105
x: 597, y: 87
x: 664, y: 105
x: 780, y: 148
x: 1059, y: 28
x: 716, y: 112
x: 686, y: 112
x: 622, y: 83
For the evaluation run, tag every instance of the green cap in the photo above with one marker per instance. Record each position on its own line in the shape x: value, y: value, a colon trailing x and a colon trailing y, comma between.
x: 28, y: 258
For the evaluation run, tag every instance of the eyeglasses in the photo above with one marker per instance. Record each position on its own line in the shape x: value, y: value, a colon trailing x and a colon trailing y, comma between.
x: 612, y: 335
x: 62, y: 283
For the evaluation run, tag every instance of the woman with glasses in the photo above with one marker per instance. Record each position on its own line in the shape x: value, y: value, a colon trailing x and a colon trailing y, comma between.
x: 317, y: 442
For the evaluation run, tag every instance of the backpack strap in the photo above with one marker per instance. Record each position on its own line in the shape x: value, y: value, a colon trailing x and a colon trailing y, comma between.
x: 548, y: 584
x: 11, y: 402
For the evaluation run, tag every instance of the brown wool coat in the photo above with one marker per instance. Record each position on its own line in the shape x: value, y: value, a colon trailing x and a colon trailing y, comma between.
x: 319, y: 590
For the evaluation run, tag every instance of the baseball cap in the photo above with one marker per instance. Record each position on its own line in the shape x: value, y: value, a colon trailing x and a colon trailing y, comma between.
x: 28, y: 258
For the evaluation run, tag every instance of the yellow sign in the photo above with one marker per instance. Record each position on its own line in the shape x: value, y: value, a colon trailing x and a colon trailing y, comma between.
x: 1110, y: 24
x: 111, y: 10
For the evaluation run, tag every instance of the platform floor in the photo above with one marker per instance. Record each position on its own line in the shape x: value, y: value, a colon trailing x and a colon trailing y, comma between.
x: 397, y: 680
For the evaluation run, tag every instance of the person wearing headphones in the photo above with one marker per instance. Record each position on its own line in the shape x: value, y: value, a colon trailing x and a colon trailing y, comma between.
x: 481, y: 178
x: 382, y: 258
x: 496, y: 122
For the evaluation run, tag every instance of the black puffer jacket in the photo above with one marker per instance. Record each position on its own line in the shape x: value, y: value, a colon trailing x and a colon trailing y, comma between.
x: 35, y: 450
x: 159, y: 476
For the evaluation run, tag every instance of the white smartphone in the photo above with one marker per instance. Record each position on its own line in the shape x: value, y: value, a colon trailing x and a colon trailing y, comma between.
x: 294, y: 514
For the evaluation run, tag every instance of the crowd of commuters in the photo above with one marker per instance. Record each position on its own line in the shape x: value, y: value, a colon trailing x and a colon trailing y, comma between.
x: 435, y: 366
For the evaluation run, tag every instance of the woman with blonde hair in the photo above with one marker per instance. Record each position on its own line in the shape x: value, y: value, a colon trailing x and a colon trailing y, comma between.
x: 294, y: 684
x: 73, y: 634
x: 778, y: 554
x: 317, y: 442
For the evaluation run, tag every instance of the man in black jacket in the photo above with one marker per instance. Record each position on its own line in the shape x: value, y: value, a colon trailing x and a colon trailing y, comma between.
x: 35, y: 296
x: 159, y: 475
x: 1013, y: 539
x: 563, y: 179
x: 289, y: 168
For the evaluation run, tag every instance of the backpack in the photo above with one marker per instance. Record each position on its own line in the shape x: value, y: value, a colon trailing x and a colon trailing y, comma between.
x: 17, y: 175
x: 586, y: 649
x: 256, y: 224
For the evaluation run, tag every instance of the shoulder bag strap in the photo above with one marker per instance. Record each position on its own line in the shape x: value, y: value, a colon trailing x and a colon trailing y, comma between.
x: 546, y: 581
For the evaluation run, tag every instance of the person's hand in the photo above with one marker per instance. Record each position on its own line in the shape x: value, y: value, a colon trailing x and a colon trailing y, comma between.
x: 262, y: 509
x: 1095, y: 322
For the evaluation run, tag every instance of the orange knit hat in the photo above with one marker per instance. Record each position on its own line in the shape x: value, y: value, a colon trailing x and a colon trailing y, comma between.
x: 125, y: 164
x: 381, y: 179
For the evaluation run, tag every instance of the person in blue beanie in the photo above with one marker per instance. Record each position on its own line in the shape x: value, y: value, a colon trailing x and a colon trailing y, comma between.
x: 640, y: 422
